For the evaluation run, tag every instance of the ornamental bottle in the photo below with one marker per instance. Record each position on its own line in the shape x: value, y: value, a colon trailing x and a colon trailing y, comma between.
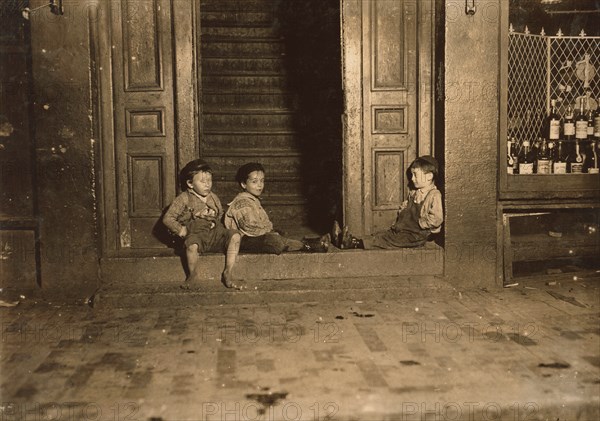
x: 569, y: 124
x: 590, y: 124
x: 597, y: 122
x: 544, y: 163
x: 581, y: 123
x: 511, y: 156
x: 590, y: 164
x: 559, y: 164
x: 552, y: 126
x: 577, y: 159
x: 525, y: 159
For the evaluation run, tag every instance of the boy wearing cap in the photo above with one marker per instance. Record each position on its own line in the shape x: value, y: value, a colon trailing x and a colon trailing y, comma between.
x: 195, y: 215
x: 418, y: 217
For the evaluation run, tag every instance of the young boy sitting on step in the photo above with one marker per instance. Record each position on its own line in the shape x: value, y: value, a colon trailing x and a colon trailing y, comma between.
x: 246, y: 214
x: 418, y: 217
x: 195, y: 215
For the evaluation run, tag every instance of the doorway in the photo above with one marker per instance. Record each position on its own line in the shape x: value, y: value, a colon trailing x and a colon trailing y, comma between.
x: 270, y: 91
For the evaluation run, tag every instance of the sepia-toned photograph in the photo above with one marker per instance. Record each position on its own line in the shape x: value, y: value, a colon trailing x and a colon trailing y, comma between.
x: 300, y: 210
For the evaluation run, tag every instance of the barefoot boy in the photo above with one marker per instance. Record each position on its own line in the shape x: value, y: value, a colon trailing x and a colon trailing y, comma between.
x: 195, y: 215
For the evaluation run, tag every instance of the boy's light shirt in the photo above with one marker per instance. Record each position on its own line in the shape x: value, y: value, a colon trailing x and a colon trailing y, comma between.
x: 432, y: 214
x: 246, y: 215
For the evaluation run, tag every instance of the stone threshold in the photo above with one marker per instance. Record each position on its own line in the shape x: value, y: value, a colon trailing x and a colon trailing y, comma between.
x: 426, y: 260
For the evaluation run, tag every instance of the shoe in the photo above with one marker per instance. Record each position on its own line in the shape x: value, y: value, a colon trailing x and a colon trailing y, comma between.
x: 349, y: 241
x: 336, y: 234
x: 317, y: 245
x: 345, y: 238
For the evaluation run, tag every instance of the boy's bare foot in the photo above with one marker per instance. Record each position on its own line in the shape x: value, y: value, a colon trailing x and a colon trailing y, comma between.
x: 230, y: 282
x: 191, y: 282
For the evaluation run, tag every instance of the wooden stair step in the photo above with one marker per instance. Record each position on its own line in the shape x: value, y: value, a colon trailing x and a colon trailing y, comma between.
x: 238, y: 6
x: 240, y: 101
x: 237, y: 19
x: 242, y: 49
x: 244, y: 66
x: 245, y: 85
x: 236, y: 33
x: 251, y: 141
x: 270, y: 121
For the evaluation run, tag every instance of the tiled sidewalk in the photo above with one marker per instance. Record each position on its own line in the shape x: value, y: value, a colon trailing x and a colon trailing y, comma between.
x: 514, y: 354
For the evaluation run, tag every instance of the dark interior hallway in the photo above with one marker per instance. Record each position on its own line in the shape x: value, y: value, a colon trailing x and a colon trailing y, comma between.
x: 270, y: 92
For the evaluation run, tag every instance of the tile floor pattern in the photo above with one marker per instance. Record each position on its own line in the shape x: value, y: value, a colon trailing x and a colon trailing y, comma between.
x: 514, y: 354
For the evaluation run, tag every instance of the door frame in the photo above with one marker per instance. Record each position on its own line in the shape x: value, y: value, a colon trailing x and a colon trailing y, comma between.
x: 355, y: 189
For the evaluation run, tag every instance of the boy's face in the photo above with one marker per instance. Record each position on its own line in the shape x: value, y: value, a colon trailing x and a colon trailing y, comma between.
x: 201, y: 183
x: 255, y: 183
x: 421, y: 179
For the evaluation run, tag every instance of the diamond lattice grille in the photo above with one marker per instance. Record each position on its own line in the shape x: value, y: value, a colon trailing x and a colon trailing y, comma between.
x: 542, y: 68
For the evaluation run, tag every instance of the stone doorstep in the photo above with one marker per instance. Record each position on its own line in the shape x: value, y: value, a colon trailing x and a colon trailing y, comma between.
x: 290, y: 277
x: 426, y: 260
x: 212, y: 292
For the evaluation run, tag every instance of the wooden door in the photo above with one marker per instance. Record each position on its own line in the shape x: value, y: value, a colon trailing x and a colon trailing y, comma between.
x: 139, y: 110
x: 390, y: 106
x: 388, y: 97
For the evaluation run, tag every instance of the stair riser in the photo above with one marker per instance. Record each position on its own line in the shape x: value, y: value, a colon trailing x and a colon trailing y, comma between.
x: 265, y: 142
x: 244, y: 84
x: 238, y: 6
x: 229, y: 188
x: 243, y: 49
x: 223, y: 66
x: 237, y: 19
x: 248, y: 122
x: 216, y: 102
x: 240, y: 32
x: 287, y: 167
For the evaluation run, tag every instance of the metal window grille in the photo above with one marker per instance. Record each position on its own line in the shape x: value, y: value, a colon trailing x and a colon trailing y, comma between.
x: 542, y: 68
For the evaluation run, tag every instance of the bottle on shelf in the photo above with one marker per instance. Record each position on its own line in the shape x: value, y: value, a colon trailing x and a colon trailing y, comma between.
x: 525, y: 159
x: 590, y: 124
x: 581, y: 123
x: 511, y: 155
x: 590, y: 164
x: 552, y: 123
x: 569, y: 124
x: 597, y: 121
x: 559, y: 161
x: 543, y: 159
x: 577, y: 159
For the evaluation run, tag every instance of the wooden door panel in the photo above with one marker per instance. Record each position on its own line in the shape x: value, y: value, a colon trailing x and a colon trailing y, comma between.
x: 143, y: 118
x: 389, y: 106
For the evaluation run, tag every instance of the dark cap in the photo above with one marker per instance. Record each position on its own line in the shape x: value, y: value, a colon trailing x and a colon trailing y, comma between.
x: 431, y: 160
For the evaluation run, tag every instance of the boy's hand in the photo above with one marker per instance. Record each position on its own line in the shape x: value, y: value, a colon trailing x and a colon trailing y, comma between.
x: 206, y: 213
x: 182, y: 232
x: 403, y: 206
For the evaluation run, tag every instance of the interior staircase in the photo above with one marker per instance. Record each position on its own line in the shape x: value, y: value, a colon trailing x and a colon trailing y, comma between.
x: 271, y: 93
x: 248, y: 109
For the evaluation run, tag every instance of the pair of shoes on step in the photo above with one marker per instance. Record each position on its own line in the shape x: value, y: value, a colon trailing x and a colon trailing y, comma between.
x: 317, y: 245
x: 342, y: 239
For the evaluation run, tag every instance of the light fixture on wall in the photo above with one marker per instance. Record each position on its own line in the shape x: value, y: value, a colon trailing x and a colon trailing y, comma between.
x: 56, y: 7
x: 470, y: 7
